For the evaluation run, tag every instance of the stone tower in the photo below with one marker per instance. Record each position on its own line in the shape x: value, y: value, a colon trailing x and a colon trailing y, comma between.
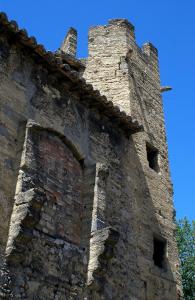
x: 129, y: 77
x: 86, y: 208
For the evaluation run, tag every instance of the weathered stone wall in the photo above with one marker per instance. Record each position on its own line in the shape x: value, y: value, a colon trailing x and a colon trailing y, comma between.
x: 106, y: 64
x: 129, y: 76
x: 79, y: 204
x: 58, y: 149
x: 42, y: 185
x: 44, y: 242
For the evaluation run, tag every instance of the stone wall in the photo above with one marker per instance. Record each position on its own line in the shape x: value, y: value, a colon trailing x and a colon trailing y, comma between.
x: 129, y: 76
x: 80, y: 206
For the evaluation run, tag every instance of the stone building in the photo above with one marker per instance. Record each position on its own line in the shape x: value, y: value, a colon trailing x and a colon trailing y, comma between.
x: 86, y: 206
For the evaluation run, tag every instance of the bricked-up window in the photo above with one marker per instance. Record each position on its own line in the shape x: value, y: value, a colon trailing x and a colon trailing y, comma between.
x: 152, y: 156
x: 159, y: 253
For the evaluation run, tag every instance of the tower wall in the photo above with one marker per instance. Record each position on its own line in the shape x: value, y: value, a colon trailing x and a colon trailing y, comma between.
x: 129, y: 76
x: 106, y: 65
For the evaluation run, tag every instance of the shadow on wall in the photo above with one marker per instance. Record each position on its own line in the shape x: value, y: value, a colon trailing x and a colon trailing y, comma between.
x: 48, y: 242
x: 144, y: 242
x: 138, y: 261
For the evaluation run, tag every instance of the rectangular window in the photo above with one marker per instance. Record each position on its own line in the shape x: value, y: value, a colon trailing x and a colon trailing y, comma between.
x: 152, y: 156
x: 159, y: 252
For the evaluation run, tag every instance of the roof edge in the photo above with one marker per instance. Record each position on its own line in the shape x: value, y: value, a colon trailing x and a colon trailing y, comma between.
x: 63, y: 64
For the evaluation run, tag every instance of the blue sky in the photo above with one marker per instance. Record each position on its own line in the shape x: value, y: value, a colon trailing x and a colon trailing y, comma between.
x: 170, y: 26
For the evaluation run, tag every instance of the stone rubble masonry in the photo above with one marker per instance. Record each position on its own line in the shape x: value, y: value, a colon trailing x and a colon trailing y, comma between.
x: 80, y: 201
x: 69, y: 44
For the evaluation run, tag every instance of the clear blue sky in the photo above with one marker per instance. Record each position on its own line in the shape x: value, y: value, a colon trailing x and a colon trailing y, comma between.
x: 170, y: 26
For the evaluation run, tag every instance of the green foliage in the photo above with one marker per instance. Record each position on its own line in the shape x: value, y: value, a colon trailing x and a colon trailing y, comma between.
x: 185, y: 236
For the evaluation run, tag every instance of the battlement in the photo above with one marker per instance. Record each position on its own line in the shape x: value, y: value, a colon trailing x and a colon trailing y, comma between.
x: 149, y: 48
x: 114, y: 31
x: 115, y: 57
x: 69, y: 44
x: 121, y: 31
x: 123, y: 23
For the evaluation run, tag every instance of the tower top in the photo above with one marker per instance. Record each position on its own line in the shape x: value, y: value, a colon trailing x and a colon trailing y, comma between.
x: 121, y: 22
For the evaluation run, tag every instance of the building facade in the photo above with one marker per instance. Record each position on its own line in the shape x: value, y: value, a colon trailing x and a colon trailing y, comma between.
x: 86, y: 206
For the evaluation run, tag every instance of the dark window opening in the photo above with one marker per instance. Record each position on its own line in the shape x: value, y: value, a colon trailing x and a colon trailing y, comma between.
x: 152, y: 156
x: 159, y: 252
x: 82, y: 163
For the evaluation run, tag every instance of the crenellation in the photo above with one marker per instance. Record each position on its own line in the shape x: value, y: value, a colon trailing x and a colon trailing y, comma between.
x: 150, y: 50
x: 69, y: 44
x: 123, y: 23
